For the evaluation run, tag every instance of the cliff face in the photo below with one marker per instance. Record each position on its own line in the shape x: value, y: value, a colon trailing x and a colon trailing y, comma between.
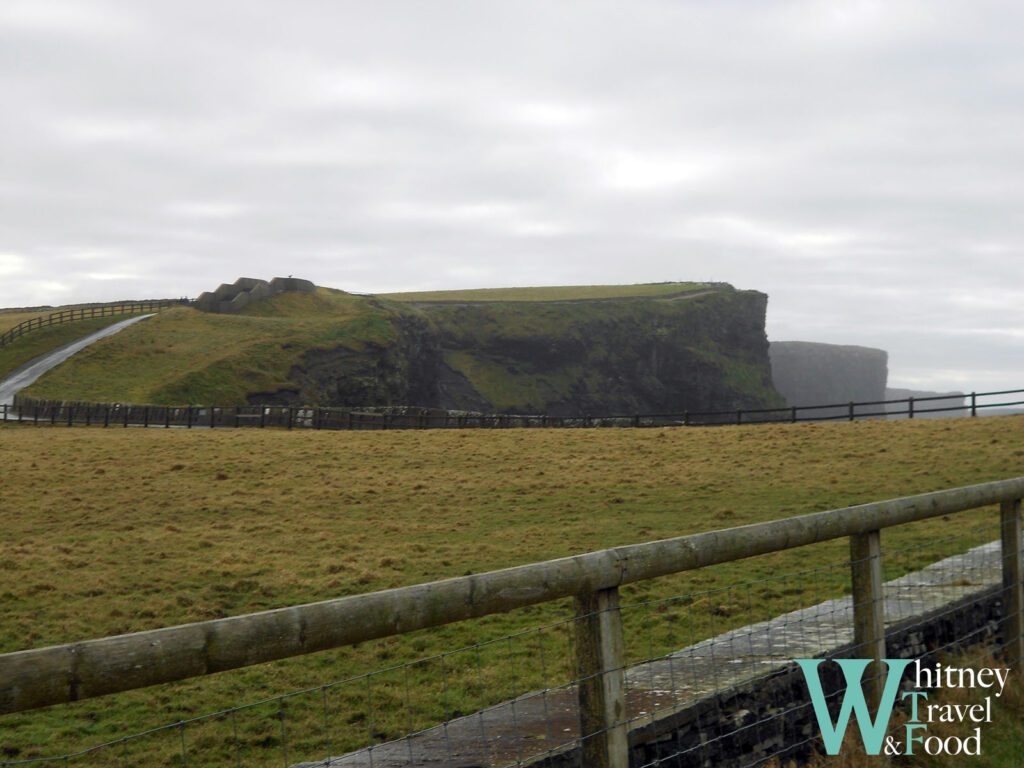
x: 698, y: 351
x: 399, y: 369
x: 807, y: 373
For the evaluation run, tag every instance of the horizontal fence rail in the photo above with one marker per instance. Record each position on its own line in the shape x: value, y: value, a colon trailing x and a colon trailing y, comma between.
x: 82, y: 313
x: 46, y: 676
x: 35, y: 411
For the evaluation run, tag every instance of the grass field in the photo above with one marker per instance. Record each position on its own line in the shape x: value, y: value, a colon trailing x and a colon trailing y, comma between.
x: 10, y: 319
x: 550, y: 293
x: 112, y: 531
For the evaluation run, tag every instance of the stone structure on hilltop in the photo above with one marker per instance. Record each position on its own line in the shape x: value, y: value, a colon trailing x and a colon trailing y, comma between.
x: 232, y: 299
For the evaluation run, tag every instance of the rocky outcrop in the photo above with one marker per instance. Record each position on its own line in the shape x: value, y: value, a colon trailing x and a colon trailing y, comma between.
x: 245, y: 291
x: 403, y: 370
x: 808, y: 373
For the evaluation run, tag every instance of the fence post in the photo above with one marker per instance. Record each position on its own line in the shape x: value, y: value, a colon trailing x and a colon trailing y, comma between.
x: 910, y: 407
x: 1013, y: 588
x: 739, y: 416
x: 213, y: 422
x: 974, y: 403
x: 851, y: 410
x: 600, y: 662
x: 869, y: 609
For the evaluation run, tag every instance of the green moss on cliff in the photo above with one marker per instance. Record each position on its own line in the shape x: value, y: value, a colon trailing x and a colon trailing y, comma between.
x: 701, y: 350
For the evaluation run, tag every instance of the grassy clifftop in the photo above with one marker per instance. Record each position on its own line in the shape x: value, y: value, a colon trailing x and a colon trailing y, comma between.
x: 560, y: 350
x: 554, y: 293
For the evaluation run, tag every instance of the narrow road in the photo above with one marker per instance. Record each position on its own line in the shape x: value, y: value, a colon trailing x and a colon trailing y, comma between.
x: 20, y: 378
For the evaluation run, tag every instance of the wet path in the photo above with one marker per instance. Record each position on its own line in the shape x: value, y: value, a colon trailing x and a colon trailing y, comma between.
x: 20, y: 378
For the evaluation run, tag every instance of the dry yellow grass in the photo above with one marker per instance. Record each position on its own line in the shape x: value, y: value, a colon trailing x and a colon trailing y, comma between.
x: 10, y: 319
x: 111, y: 531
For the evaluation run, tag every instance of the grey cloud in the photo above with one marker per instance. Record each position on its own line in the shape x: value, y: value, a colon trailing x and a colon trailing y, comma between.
x: 861, y: 163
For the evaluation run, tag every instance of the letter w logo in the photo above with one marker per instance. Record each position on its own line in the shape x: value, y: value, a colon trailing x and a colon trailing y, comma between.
x: 871, y: 732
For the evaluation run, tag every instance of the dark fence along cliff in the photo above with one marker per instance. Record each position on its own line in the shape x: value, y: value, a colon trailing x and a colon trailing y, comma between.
x: 82, y: 313
x: 30, y: 410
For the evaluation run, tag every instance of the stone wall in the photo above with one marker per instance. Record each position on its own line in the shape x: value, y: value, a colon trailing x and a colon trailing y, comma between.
x: 732, y: 700
x: 773, y: 716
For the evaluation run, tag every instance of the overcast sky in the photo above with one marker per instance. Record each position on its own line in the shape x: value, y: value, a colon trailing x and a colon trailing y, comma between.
x: 862, y: 163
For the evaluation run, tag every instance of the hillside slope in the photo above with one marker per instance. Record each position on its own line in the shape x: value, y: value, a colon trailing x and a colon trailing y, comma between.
x: 589, y: 349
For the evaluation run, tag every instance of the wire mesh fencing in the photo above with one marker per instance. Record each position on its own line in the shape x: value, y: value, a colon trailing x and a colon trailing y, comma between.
x: 708, y: 676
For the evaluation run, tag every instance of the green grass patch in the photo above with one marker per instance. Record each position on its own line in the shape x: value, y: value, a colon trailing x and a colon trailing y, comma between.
x: 184, y: 356
x: 107, y: 531
x: 9, y: 319
x: 510, y: 386
x: 39, y: 342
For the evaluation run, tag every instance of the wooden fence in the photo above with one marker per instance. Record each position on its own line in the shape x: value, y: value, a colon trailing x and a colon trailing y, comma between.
x: 82, y: 313
x: 58, y: 674
x: 25, y: 409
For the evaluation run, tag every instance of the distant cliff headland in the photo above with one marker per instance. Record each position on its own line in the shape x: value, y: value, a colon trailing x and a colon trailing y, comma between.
x: 566, y: 352
x: 810, y: 373
x: 563, y: 351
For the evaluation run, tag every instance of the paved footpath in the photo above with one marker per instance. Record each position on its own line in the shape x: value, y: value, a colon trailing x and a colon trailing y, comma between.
x: 20, y: 378
x: 547, y: 721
